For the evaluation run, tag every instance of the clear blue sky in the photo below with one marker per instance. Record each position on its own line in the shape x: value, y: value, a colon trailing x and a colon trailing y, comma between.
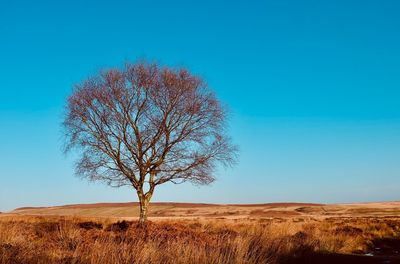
x: 313, y: 87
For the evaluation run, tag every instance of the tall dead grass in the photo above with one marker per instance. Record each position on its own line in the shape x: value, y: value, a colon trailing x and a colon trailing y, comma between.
x: 78, y: 240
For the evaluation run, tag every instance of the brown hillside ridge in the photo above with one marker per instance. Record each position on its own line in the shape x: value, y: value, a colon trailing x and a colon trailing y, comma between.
x: 277, y: 204
x: 130, y: 204
x: 174, y: 210
x: 29, y: 208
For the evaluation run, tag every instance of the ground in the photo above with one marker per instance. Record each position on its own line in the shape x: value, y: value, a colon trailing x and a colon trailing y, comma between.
x: 203, y: 233
x: 129, y: 211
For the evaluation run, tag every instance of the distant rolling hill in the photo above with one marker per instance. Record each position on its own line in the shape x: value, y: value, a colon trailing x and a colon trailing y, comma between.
x: 160, y: 210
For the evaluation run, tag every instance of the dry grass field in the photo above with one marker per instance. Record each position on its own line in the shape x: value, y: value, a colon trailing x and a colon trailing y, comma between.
x: 159, y: 211
x: 203, y: 233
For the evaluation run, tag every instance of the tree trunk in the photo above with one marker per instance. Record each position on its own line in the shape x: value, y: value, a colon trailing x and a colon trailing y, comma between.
x: 144, y: 199
x: 144, y: 203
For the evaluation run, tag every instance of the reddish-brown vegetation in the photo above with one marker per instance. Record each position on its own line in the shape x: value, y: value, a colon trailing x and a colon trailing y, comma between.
x: 29, y: 240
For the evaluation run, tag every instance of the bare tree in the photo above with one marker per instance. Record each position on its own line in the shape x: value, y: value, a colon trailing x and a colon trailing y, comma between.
x: 145, y: 125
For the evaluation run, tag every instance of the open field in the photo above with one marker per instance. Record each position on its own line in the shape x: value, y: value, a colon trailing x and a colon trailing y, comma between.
x: 203, y: 233
x: 231, y: 211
